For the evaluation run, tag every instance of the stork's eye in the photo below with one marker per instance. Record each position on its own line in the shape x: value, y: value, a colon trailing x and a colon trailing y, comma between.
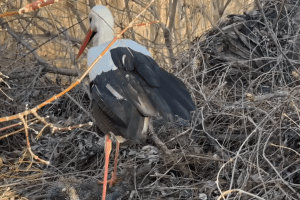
x: 90, y: 20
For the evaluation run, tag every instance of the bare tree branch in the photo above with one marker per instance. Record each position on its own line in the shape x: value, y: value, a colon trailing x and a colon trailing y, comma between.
x: 47, y: 66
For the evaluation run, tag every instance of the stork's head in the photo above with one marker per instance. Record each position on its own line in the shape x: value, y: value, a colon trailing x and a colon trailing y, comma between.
x: 101, y: 24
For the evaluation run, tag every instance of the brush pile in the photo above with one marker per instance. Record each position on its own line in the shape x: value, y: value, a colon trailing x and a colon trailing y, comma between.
x: 243, y: 141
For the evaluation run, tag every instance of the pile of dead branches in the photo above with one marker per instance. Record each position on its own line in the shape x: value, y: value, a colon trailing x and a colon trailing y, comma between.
x: 245, y: 77
x: 243, y: 141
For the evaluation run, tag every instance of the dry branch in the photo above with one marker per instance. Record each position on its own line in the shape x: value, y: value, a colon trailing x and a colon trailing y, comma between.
x: 3, y: 81
x: 46, y: 65
x: 278, y: 94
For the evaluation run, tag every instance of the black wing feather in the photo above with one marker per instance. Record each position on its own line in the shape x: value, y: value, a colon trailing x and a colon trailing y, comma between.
x: 109, y: 104
x: 135, y: 61
x: 170, y: 96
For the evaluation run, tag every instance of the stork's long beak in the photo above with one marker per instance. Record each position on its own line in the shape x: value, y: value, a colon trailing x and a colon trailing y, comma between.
x: 90, y: 34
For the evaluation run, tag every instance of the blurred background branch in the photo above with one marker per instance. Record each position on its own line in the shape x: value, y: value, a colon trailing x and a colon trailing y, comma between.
x: 180, y: 22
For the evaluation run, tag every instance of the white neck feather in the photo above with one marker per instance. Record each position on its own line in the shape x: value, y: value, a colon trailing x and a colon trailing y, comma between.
x: 104, y: 34
x: 101, y: 21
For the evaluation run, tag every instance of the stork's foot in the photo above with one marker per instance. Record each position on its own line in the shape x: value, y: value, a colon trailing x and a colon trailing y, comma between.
x: 114, y: 179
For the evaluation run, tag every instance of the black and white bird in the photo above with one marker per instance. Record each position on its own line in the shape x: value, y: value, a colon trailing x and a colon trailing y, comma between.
x: 128, y: 87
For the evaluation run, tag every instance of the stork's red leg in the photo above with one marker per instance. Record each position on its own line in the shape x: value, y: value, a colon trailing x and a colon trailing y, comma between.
x: 107, y: 153
x: 114, y: 174
x: 114, y: 178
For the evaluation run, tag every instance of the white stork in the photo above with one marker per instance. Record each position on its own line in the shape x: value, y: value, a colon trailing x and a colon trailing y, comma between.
x: 128, y: 87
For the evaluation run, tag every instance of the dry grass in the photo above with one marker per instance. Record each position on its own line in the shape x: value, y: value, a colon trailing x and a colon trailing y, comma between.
x: 243, y: 141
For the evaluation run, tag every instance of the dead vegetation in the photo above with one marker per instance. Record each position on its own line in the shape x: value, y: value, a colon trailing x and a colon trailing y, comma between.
x: 243, y: 141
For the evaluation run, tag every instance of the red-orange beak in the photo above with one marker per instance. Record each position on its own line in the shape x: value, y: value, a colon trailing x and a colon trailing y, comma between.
x: 90, y: 34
